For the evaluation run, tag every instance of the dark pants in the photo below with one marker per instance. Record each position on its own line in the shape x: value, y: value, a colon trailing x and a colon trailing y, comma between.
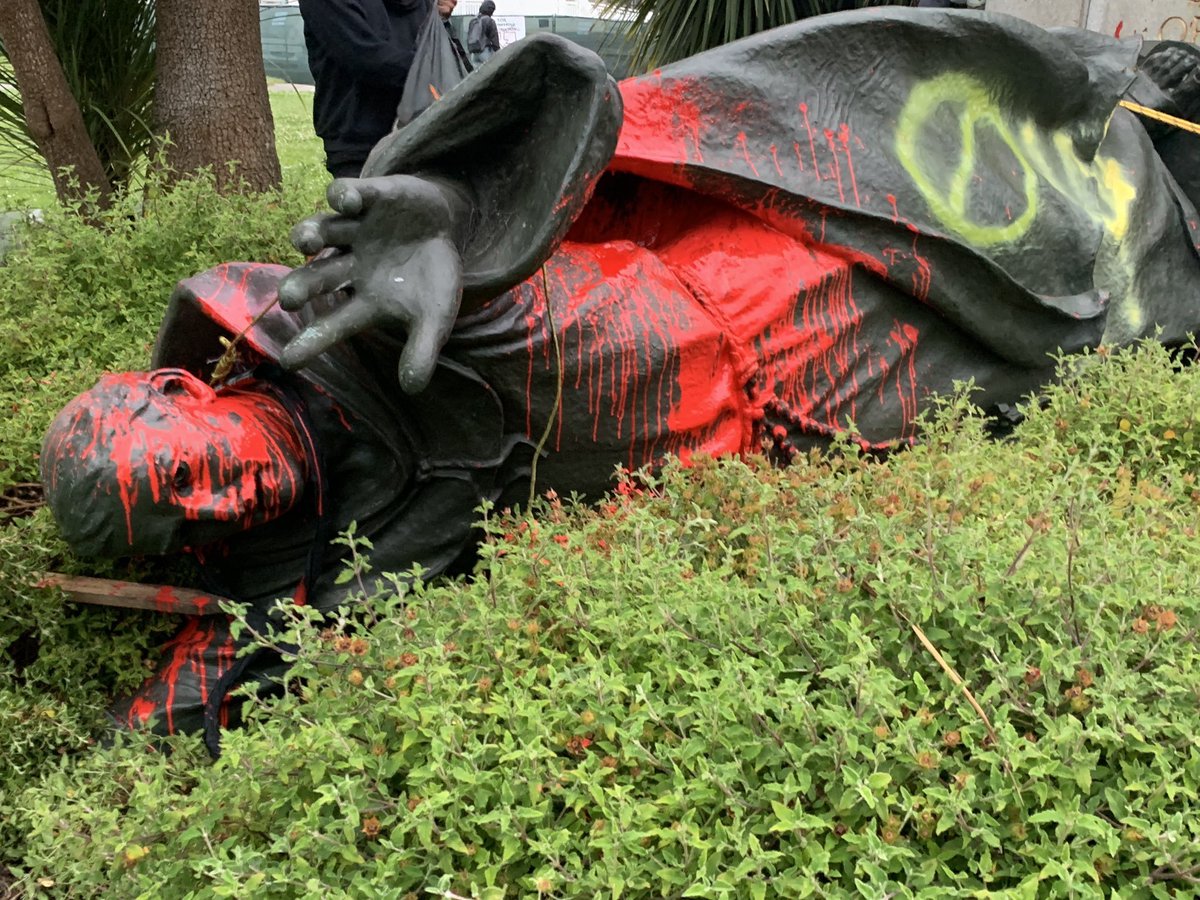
x: 346, y: 169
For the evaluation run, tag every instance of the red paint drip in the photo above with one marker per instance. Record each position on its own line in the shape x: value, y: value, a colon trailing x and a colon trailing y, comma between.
x: 844, y: 139
x: 812, y: 145
x: 334, y: 406
x: 225, y: 295
x: 904, y: 337
x: 609, y: 339
x: 746, y: 153
x: 789, y: 316
x: 923, y: 276
x: 835, y: 166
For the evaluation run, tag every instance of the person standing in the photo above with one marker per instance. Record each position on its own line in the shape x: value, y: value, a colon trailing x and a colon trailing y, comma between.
x: 483, y: 38
x: 359, y: 52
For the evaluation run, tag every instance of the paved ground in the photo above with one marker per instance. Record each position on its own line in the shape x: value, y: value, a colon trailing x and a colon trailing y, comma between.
x: 284, y: 86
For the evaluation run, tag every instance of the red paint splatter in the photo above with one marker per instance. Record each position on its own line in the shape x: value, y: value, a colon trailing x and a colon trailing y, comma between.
x: 662, y: 121
x: 226, y: 295
x: 165, y: 600
x: 175, y: 443
x: 749, y: 314
x: 141, y: 710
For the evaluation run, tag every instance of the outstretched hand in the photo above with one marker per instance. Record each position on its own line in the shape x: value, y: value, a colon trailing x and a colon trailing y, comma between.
x: 389, y: 250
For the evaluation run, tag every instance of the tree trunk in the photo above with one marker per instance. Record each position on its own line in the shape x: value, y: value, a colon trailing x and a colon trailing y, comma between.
x: 51, y: 110
x: 211, y: 97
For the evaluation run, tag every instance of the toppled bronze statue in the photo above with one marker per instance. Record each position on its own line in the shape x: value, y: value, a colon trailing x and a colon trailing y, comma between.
x: 751, y: 249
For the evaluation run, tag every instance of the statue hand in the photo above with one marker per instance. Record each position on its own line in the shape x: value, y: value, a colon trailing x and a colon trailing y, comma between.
x: 389, y: 249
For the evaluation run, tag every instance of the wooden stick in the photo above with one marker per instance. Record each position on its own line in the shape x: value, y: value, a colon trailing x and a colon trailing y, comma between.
x: 956, y: 678
x: 1160, y: 116
x: 160, y: 598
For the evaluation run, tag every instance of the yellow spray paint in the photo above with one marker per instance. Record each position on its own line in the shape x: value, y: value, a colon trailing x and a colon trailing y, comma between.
x: 1098, y: 188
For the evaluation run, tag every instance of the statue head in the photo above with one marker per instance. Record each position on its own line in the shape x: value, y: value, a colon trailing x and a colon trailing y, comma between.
x: 156, y: 462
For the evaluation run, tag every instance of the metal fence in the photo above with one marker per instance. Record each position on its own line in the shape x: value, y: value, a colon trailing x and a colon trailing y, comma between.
x: 286, y: 57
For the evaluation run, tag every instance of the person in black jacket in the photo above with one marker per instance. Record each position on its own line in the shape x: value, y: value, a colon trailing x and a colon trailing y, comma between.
x: 359, y: 52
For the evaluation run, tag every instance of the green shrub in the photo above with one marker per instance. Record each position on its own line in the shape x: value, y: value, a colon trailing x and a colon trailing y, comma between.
x: 59, y: 665
x: 714, y: 684
x: 76, y: 301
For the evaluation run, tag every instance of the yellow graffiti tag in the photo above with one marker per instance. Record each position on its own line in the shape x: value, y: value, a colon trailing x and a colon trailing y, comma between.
x: 1098, y: 188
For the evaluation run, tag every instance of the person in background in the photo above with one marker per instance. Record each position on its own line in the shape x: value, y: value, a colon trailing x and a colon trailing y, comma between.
x: 483, y: 39
x: 359, y: 52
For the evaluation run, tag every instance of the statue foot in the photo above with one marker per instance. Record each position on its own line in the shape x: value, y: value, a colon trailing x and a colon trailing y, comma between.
x: 1175, y: 68
x: 173, y: 699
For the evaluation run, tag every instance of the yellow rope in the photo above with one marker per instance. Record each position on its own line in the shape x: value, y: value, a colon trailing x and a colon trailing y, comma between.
x: 1161, y: 116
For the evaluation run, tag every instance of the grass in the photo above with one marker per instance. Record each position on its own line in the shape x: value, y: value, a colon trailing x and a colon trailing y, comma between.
x: 298, y: 146
x: 26, y: 184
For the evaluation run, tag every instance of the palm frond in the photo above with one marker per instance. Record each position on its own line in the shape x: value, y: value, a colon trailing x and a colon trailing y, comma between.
x: 663, y: 31
x: 106, y: 50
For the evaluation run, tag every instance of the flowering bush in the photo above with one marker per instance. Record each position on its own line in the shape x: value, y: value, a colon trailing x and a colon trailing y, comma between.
x: 969, y: 667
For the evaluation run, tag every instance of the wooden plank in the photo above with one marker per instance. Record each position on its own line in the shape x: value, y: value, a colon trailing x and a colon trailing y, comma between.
x: 160, y: 598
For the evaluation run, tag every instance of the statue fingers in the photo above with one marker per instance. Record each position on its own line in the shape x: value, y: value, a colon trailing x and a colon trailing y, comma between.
x: 425, y: 340
x: 316, y: 233
x: 1168, y: 65
x: 356, y: 196
x: 429, y: 325
x: 321, y: 276
x: 347, y: 320
x: 345, y: 195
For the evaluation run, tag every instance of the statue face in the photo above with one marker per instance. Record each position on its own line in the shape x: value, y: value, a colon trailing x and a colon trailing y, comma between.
x: 151, y: 463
